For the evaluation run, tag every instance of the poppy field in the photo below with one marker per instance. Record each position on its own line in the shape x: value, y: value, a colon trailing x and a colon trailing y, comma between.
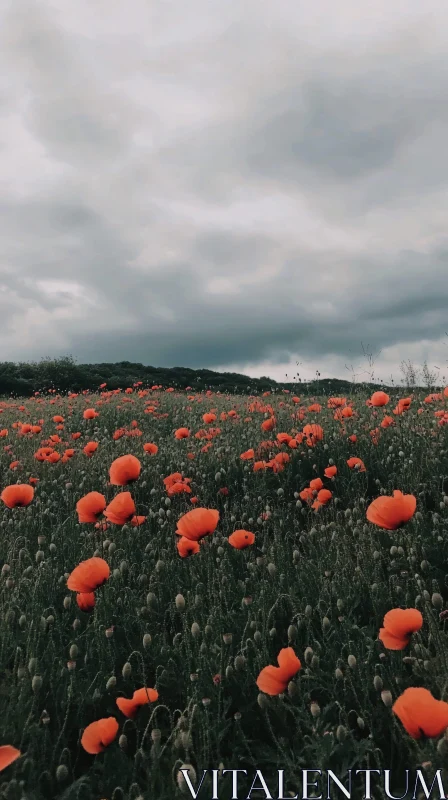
x: 212, y: 581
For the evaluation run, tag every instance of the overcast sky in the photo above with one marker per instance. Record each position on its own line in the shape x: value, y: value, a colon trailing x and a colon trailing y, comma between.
x: 230, y: 184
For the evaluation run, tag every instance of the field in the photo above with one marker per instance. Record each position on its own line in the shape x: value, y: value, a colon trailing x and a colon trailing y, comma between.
x: 197, y: 619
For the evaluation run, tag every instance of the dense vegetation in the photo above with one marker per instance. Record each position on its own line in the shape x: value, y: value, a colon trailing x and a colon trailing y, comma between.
x: 23, y: 379
x: 199, y: 629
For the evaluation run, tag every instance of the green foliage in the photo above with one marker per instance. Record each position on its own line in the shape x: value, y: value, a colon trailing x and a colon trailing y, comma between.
x: 24, y: 379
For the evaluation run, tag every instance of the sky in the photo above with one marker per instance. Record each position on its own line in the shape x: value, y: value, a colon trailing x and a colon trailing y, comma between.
x: 239, y: 185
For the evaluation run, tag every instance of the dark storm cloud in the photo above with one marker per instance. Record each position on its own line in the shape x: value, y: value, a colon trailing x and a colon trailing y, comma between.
x: 224, y: 184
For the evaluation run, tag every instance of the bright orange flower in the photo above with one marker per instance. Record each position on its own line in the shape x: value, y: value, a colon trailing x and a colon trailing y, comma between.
x: 392, y: 512
x: 98, y: 735
x: 90, y: 507
x: 140, y: 698
x: 88, y: 575
x: 124, y: 470
x: 121, y: 509
x: 196, y: 524
x: 8, y: 754
x: 274, y: 680
x: 421, y: 714
x: 399, y: 625
x: 241, y: 539
x: 187, y: 547
x: 17, y: 495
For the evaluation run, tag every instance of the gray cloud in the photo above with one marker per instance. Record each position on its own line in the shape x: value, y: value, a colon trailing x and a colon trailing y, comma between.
x: 237, y: 185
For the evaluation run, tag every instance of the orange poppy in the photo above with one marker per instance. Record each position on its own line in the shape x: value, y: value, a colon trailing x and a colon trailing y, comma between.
x: 150, y: 448
x: 182, y: 433
x: 392, y: 512
x: 85, y: 601
x: 137, y: 521
x: 248, y: 455
x: 90, y: 507
x: 356, y: 462
x: 98, y: 735
x: 241, y: 539
x: 187, y: 547
x: 379, y: 399
x: 17, y: 495
x: 274, y: 680
x: 90, y: 413
x: 197, y: 523
x: 140, y: 698
x: 121, y: 509
x: 8, y: 754
x: 399, y: 625
x: 90, y: 448
x: 124, y: 470
x: 420, y: 713
x: 88, y: 575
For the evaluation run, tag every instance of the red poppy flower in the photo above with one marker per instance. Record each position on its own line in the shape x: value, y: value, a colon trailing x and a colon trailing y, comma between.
x: 89, y: 575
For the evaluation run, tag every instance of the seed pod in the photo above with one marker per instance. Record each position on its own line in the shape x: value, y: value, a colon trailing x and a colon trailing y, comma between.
x: 292, y: 633
x: 61, y: 773
x: 315, y: 709
x: 147, y: 640
x: 180, y: 602
x: 437, y: 601
x: 341, y: 733
x: 240, y: 662
x: 195, y: 630
x: 378, y: 683
x: 386, y: 697
x: 74, y: 651
x: 308, y: 655
x: 126, y: 671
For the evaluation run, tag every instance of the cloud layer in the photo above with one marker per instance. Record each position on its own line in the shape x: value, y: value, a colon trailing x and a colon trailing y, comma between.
x: 224, y: 185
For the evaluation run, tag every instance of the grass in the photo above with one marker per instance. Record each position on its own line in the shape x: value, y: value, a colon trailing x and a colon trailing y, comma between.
x: 200, y: 629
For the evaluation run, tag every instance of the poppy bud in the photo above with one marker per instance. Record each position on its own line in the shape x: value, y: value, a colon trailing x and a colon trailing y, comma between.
x: 240, y: 662
x: 126, y: 671
x: 315, y: 710
x: 36, y: 683
x: 386, y: 697
x: 61, y: 773
x: 195, y: 630
x: 338, y: 674
x: 180, y: 602
x: 292, y: 633
x: 351, y: 661
x: 378, y: 683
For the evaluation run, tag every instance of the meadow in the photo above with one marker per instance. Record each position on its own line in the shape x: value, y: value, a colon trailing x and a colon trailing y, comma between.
x: 140, y: 628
